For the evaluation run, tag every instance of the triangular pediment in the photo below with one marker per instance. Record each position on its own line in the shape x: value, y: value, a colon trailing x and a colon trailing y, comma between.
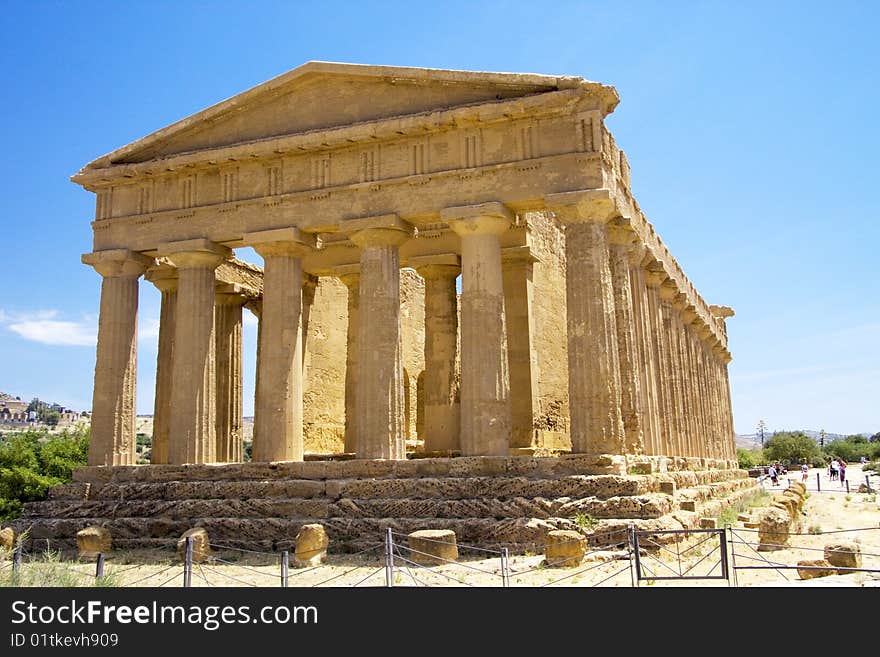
x: 324, y: 95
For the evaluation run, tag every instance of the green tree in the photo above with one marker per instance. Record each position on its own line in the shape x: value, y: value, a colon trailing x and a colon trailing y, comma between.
x: 51, y: 418
x: 790, y: 447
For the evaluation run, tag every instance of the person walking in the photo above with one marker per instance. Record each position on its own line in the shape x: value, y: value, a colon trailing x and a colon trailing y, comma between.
x: 805, y: 469
x: 774, y: 476
x: 841, y: 472
x: 832, y: 471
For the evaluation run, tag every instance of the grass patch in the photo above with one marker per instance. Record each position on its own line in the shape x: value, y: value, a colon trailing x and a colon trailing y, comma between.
x: 584, y: 520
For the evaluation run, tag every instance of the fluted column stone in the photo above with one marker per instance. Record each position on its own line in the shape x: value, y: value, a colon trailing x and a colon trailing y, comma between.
x: 113, y: 440
x: 351, y: 278
x: 278, y: 413
x: 228, y: 305
x: 593, y: 360
x: 441, y: 393
x: 164, y: 277
x: 193, y: 390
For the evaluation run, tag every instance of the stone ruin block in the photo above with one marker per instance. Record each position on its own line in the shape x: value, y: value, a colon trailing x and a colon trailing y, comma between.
x: 667, y: 487
x: 774, y: 529
x: 7, y: 539
x: 93, y: 540
x: 201, y: 548
x: 708, y: 523
x: 843, y: 554
x: 564, y: 548
x: 688, y: 505
x: 311, y: 546
x: 821, y: 568
x: 431, y: 547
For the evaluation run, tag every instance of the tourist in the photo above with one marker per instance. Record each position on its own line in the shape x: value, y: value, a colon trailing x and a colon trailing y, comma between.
x: 774, y: 476
x: 832, y: 470
x: 841, y: 470
x: 804, y: 470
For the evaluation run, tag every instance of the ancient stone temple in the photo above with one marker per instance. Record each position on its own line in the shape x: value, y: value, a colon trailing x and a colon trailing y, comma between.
x: 368, y: 191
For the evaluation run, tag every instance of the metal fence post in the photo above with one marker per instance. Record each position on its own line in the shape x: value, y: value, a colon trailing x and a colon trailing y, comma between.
x: 188, y: 563
x: 389, y: 558
x: 505, y: 568
x: 847, y: 485
x: 818, y: 484
x: 99, y: 566
x: 285, y: 566
x: 632, y: 547
x: 16, y: 558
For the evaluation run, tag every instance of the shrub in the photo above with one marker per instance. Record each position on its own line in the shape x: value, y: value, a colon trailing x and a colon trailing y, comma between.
x: 790, y: 447
x: 748, y: 458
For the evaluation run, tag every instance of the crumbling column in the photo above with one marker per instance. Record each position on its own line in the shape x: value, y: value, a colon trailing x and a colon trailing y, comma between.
x: 228, y: 304
x: 593, y: 365
x: 442, y: 409
x: 193, y: 389
x: 351, y: 278
x: 517, y: 264
x: 278, y: 413
x: 164, y: 277
x: 621, y: 239
x: 485, y: 380
x: 379, y: 395
x: 113, y: 439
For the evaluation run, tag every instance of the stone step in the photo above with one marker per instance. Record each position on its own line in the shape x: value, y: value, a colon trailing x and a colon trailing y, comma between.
x: 602, y: 486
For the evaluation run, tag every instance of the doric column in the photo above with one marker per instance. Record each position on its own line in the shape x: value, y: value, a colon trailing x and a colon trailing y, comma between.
x: 278, y: 413
x: 485, y: 380
x: 707, y: 402
x: 350, y: 275
x: 593, y: 366
x: 164, y: 277
x: 660, y: 343
x: 442, y: 409
x: 648, y: 376
x: 379, y: 395
x: 671, y: 321
x: 113, y: 404
x: 228, y: 304
x: 517, y: 265
x: 193, y: 388
x: 621, y: 239
x: 695, y: 436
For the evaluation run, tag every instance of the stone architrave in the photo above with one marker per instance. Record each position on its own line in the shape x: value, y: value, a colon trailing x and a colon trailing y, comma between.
x: 228, y: 304
x: 112, y: 439
x: 593, y: 361
x: 442, y: 409
x: 485, y: 380
x: 278, y: 413
x: 164, y: 277
x: 193, y: 389
x: 350, y: 276
x: 379, y: 396
x: 621, y: 239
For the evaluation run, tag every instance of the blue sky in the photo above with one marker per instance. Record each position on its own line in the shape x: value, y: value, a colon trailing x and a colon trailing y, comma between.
x: 751, y: 128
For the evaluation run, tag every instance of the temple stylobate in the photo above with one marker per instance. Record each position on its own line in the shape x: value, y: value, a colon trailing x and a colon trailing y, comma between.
x: 575, y: 328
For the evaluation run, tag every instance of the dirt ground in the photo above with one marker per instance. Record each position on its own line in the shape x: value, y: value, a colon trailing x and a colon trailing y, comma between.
x: 830, y: 513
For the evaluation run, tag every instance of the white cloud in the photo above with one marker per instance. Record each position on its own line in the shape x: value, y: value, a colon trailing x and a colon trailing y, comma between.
x: 148, y: 329
x: 56, y: 332
x: 249, y: 319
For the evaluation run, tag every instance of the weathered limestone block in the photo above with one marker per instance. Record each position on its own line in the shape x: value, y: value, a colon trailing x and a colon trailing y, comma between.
x: 773, y: 530
x: 7, y: 539
x: 688, y: 505
x: 708, y: 523
x: 843, y: 554
x: 311, y: 546
x: 430, y: 547
x: 824, y: 568
x: 564, y: 548
x: 91, y: 541
x: 743, y: 517
x: 201, y: 548
x: 667, y: 487
x: 798, y: 487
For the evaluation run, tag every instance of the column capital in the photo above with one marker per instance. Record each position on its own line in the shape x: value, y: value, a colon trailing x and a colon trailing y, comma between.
x: 689, y: 315
x: 121, y: 263
x: 680, y: 300
x: 584, y: 205
x: 447, y: 265
x: 350, y: 275
x: 280, y: 241
x: 668, y: 289
x: 229, y: 294
x: 163, y: 275
x: 518, y: 255
x: 722, y: 312
x: 195, y: 253
x: 492, y: 218
x: 379, y: 230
